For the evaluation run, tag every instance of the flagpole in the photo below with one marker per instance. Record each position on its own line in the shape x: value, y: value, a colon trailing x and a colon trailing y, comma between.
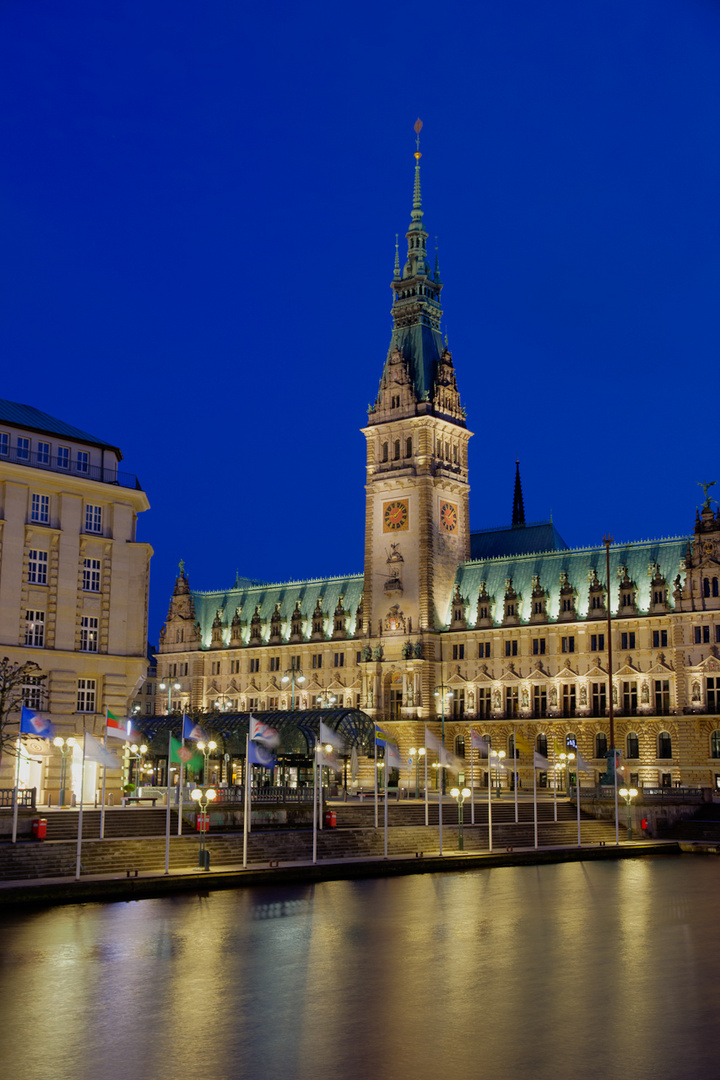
x: 315, y: 800
x: 105, y: 772
x: 535, y: 801
x: 16, y: 790
x: 554, y: 779
x: 472, y: 780
x: 376, y: 786
x: 515, y: 771
x: 181, y: 781
x: 577, y: 797
x: 440, y: 787
x: 245, y: 801
x: 168, y: 806
x: 387, y: 771
x: 427, y: 805
x: 489, y: 759
x: 80, y: 815
x: 617, y: 827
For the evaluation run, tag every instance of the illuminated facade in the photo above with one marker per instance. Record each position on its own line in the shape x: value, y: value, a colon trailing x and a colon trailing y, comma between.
x: 504, y: 630
x: 73, y: 580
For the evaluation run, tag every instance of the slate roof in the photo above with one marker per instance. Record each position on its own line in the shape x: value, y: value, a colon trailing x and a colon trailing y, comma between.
x: 577, y: 564
x: 27, y: 416
x: 422, y: 347
x: 516, y: 540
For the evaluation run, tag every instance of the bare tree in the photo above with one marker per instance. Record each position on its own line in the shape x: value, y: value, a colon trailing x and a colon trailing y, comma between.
x: 14, y: 679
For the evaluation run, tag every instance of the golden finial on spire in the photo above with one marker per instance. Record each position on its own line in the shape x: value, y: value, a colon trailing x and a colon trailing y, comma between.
x: 418, y: 129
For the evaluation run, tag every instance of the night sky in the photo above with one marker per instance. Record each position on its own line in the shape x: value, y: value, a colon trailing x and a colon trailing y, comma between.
x: 199, y: 204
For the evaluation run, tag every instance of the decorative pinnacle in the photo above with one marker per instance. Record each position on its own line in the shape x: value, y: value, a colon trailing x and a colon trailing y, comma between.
x: 417, y: 201
x: 418, y: 129
x: 397, y: 257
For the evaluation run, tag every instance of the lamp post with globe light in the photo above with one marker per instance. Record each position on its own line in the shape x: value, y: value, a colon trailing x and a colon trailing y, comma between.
x: 295, y: 677
x: 206, y: 749
x: 417, y: 753
x: 65, y: 746
x: 202, y: 799
x: 460, y: 797
x: 628, y: 794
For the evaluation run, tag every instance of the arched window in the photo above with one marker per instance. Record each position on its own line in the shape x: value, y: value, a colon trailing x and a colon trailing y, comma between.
x: 715, y: 586
x: 511, y: 747
x: 385, y: 451
x: 460, y: 745
x: 408, y: 448
x: 664, y: 745
x: 397, y: 450
x: 600, y: 744
x: 541, y: 745
x: 706, y: 586
x: 632, y: 745
x: 488, y: 742
x: 715, y: 744
x: 571, y: 741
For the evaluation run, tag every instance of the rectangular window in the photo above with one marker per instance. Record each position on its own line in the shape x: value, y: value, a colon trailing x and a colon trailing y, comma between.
x: 234, y: 667
x: 511, y: 701
x: 274, y: 663
x: 317, y: 660
x: 295, y: 663
x: 458, y: 652
x: 706, y: 635
x: 273, y: 704
x: 23, y: 449
x: 37, y: 567
x: 629, y: 698
x: 597, y: 643
x: 88, y: 634
x: 539, y: 701
x: 568, y: 644
x: 660, y: 639
x: 83, y: 461
x: 35, y: 628
x: 43, y: 453
x: 599, y: 698
x: 627, y: 640
x: 63, y: 457
x: 215, y: 667
x: 484, y: 650
x: 713, y: 694
x: 339, y: 660
x: 484, y: 702
x: 32, y: 693
x: 358, y: 657
x: 91, y: 575
x: 662, y: 696
x: 254, y: 665
x: 4, y: 443
x: 40, y: 509
x: 511, y: 648
x: 252, y: 703
x: 93, y: 518
x: 539, y: 646
x: 86, y: 695
x: 568, y: 699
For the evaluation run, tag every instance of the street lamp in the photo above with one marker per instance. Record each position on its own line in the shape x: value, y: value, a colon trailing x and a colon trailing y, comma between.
x: 221, y: 702
x: 628, y: 794
x: 138, y: 753
x: 460, y: 797
x: 566, y: 760
x: 326, y: 701
x: 294, y: 676
x: 206, y: 750
x: 417, y: 755
x: 169, y: 685
x: 202, y: 799
x: 444, y: 694
x: 498, y: 755
x: 65, y: 746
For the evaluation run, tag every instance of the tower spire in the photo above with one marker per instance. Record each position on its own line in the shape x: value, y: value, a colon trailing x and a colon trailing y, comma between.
x: 416, y: 235
x: 518, y: 514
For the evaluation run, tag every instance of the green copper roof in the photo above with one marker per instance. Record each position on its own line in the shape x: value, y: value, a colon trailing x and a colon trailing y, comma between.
x: 516, y: 540
x: 26, y: 416
x: 265, y: 597
x: 639, y: 558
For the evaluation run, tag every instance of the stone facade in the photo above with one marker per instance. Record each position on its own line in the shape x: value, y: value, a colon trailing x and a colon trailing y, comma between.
x: 504, y: 630
x: 73, y: 580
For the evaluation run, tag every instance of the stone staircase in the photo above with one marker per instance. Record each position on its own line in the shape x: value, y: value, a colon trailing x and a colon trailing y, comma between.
x: 56, y: 858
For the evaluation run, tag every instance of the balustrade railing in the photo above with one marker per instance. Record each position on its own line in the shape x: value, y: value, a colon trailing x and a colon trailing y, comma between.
x: 27, y: 798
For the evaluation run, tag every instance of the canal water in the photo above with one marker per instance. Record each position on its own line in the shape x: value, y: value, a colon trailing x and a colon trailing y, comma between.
x: 585, y: 970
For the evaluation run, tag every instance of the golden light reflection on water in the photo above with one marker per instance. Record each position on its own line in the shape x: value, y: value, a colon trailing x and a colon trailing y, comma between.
x: 594, y: 969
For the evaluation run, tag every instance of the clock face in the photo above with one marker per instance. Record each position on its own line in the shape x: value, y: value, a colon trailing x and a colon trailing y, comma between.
x: 395, y: 515
x: 448, y: 517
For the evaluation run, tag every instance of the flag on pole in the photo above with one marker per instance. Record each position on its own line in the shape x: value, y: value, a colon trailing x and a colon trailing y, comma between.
x: 332, y: 738
x: 480, y: 744
x: 95, y: 751
x: 31, y: 723
x: 392, y: 756
x: 521, y: 743
x: 117, y: 727
x: 382, y: 736
x: 259, y: 754
x: 191, y: 730
x: 431, y: 741
x: 261, y: 732
x: 450, y: 761
x: 540, y: 761
x: 557, y: 748
x: 581, y: 763
x: 178, y: 753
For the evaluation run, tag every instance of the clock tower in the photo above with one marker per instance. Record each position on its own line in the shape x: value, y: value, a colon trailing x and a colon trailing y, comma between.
x: 416, y: 524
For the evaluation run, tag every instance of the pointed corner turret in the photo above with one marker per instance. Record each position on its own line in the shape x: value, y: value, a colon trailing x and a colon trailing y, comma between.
x: 518, y: 514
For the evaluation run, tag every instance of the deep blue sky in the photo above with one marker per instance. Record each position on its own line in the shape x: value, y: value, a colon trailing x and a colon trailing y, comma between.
x: 198, y: 211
